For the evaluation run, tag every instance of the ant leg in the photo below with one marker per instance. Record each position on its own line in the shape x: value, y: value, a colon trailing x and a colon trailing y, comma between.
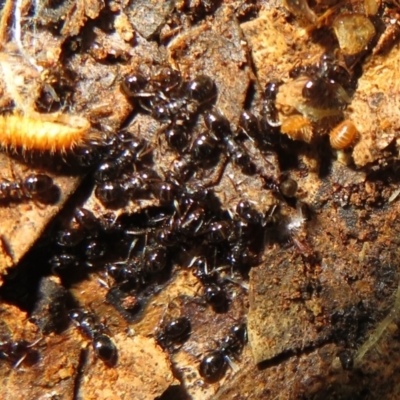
x: 19, y: 362
x: 131, y: 247
x: 231, y: 363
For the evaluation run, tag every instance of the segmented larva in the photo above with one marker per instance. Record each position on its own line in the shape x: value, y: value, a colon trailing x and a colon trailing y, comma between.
x: 44, y: 132
x: 298, y: 127
x: 343, y: 135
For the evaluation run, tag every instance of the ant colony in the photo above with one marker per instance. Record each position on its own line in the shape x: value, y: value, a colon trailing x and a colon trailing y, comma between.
x: 157, y: 208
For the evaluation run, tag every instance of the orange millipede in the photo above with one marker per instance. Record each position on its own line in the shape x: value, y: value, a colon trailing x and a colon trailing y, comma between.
x: 44, y: 132
x: 298, y: 127
x: 343, y: 135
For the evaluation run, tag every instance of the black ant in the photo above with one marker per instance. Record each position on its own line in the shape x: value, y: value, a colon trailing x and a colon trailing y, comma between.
x: 247, y: 227
x: 138, y: 271
x: 249, y: 123
x: 214, y: 292
x: 270, y: 112
x: 327, y: 83
x: 70, y: 237
x: 213, y: 365
x: 85, y: 242
x: 60, y: 263
x: 18, y: 351
x: 175, y: 332
x: 220, y: 129
x: 126, y: 151
x: 119, y: 191
x: 170, y: 100
x: 87, y: 222
x: 263, y: 132
x: 102, y: 344
x: 34, y: 186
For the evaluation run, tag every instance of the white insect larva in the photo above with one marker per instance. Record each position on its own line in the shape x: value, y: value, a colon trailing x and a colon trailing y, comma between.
x: 44, y: 132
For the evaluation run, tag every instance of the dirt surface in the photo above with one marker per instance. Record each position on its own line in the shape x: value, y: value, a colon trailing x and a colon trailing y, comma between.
x: 312, y: 271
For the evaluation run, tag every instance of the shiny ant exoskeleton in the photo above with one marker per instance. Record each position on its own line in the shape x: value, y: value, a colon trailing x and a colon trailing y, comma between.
x: 183, y: 103
x: 328, y: 83
x: 121, y: 154
x: 334, y: 71
x: 165, y: 110
x: 87, y: 222
x: 94, y: 250
x: 140, y: 269
x: 190, y: 216
x: 63, y: 262
x: 175, y: 332
x: 166, y: 79
x: 110, y: 192
x: 249, y: 123
x: 264, y: 131
x: 128, y: 273
x: 346, y: 358
x: 201, y: 89
x: 123, y: 151
x: 34, y: 186
x: 214, y: 291
x: 102, y: 344
x: 217, y: 124
x: 18, y: 351
x: 86, y: 242
x: 247, y: 213
x: 204, y: 148
x: 182, y: 169
x: 219, y: 127
x: 191, y: 222
x: 165, y: 192
x: 216, y: 296
x: 70, y: 237
x: 82, y: 243
x: 247, y: 228
x: 213, y: 365
x: 218, y: 232
x: 319, y: 91
x: 135, y: 85
x: 177, y: 137
x: 269, y: 110
x: 239, y: 156
x: 104, y: 348
x: 170, y: 100
x: 120, y: 191
x: 136, y: 278
x: 155, y: 259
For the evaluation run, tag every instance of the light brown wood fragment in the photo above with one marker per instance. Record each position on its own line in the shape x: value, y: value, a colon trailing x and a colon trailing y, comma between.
x: 215, y: 49
x: 375, y: 108
x: 143, y: 372
x: 54, y: 372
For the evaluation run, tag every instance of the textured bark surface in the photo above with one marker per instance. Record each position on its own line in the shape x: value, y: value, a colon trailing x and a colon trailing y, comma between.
x: 322, y: 299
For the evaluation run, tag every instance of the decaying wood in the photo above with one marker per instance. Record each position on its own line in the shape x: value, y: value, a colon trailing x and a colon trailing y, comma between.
x: 324, y: 292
